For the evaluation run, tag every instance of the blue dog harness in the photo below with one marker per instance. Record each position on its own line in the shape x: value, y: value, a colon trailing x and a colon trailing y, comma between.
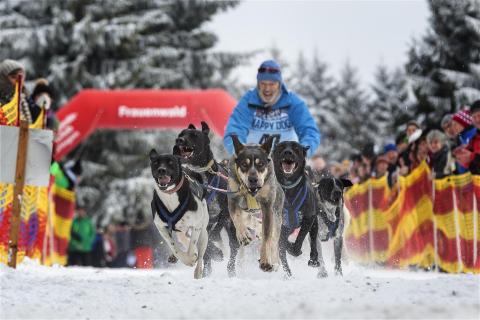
x: 170, y: 218
x: 291, y: 210
x: 215, y: 182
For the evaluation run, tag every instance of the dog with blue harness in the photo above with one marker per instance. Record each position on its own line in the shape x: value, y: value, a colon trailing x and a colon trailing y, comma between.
x: 299, y: 208
x: 179, y: 211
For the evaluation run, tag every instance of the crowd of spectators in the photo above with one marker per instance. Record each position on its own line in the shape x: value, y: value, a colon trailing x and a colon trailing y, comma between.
x: 452, y: 147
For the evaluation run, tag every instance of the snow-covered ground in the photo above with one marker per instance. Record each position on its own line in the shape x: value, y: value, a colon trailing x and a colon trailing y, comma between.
x: 34, y: 291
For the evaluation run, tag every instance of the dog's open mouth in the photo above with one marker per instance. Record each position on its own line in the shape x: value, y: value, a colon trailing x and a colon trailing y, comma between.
x: 185, y: 152
x: 253, y: 190
x: 163, y: 181
x: 288, y: 166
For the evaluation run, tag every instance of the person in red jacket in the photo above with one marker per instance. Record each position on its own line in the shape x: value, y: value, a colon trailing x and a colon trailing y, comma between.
x: 469, y: 156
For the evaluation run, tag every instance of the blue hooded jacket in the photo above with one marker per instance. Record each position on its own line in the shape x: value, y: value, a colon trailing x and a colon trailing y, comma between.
x: 289, y: 119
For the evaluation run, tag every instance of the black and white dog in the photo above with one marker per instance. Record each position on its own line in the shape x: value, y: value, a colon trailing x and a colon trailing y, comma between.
x: 180, y: 215
x: 194, y: 147
x: 299, y: 210
x: 252, y: 175
x: 331, y: 218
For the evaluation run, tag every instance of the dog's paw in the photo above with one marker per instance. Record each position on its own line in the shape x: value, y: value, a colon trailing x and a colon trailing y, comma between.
x: 267, y: 267
x: 216, y: 254
x: 338, y: 271
x: 172, y: 259
x: 243, y: 237
x: 294, y: 250
x: 313, y: 263
x: 322, y: 273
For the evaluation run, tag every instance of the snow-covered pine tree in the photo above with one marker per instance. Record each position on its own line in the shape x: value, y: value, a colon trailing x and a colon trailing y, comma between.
x: 312, y: 83
x: 79, y: 44
x: 354, y: 126
x: 389, y: 105
x: 444, y: 64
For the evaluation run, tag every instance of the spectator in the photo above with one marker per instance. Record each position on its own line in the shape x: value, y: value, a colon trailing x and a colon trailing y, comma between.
x: 10, y: 70
x: 446, y: 125
x: 464, y: 131
x: 412, y: 126
x: 269, y: 109
x: 122, y: 241
x: 98, y: 251
x: 381, y: 166
x: 318, y: 167
x: 419, y: 149
x: 368, y: 156
x: 43, y: 97
x: 109, y: 245
x: 469, y: 157
x: 81, y: 240
x: 440, y: 159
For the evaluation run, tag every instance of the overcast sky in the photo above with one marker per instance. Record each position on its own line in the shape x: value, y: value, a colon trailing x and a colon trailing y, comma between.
x: 364, y: 32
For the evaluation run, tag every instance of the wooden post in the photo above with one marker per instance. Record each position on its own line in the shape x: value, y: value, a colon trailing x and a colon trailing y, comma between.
x: 17, y: 194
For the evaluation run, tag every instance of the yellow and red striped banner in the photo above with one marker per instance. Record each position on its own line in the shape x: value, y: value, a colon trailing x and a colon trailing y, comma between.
x: 9, y: 111
x: 417, y: 222
x: 60, y: 223
x: 33, y: 218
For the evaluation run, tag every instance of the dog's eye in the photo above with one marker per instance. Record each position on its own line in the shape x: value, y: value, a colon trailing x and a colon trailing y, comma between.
x: 244, y: 164
x: 260, y: 164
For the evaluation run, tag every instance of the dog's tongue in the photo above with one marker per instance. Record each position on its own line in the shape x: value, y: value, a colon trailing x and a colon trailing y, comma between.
x: 164, y: 180
x: 288, y: 167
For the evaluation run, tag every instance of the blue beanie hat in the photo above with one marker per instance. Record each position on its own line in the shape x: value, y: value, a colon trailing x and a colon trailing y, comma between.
x: 270, y: 71
x: 389, y: 147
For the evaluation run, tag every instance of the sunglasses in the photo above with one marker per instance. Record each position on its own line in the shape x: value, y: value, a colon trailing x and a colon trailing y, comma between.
x: 268, y: 70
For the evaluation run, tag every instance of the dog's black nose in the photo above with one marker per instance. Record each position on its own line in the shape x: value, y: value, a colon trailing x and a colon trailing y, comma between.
x: 180, y: 141
x: 162, y: 171
x: 288, y: 152
x: 253, y: 180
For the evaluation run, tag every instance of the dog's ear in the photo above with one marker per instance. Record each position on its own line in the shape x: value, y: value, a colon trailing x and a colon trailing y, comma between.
x: 305, y: 149
x: 191, y: 126
x: 205, y: 128
x: 346, y: 183
x: 153, y: 154
x: 267, y: 145
x: 237, y: 145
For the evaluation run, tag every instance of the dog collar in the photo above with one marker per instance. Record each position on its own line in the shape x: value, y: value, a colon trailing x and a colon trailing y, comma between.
x: 177, y: 187
x: 208, y: 167
x: 252, y: 203
x: 290, y: 186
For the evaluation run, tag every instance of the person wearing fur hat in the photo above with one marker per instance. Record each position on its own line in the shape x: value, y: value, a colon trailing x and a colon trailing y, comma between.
x: 270, y: 109
x: 42, y: 96
x: 9, y: 72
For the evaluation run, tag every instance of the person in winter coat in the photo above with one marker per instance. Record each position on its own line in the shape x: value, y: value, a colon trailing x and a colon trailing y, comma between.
x: 43, y: 97
x: 469, y: 157
x: 440, y: 159
x: 82, y: 235
x: 9, y: 72
x: 464, y: 131
x: 270, y: 109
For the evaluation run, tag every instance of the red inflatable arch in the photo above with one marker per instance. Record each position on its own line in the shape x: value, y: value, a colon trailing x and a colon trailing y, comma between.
x: 139, y: 109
